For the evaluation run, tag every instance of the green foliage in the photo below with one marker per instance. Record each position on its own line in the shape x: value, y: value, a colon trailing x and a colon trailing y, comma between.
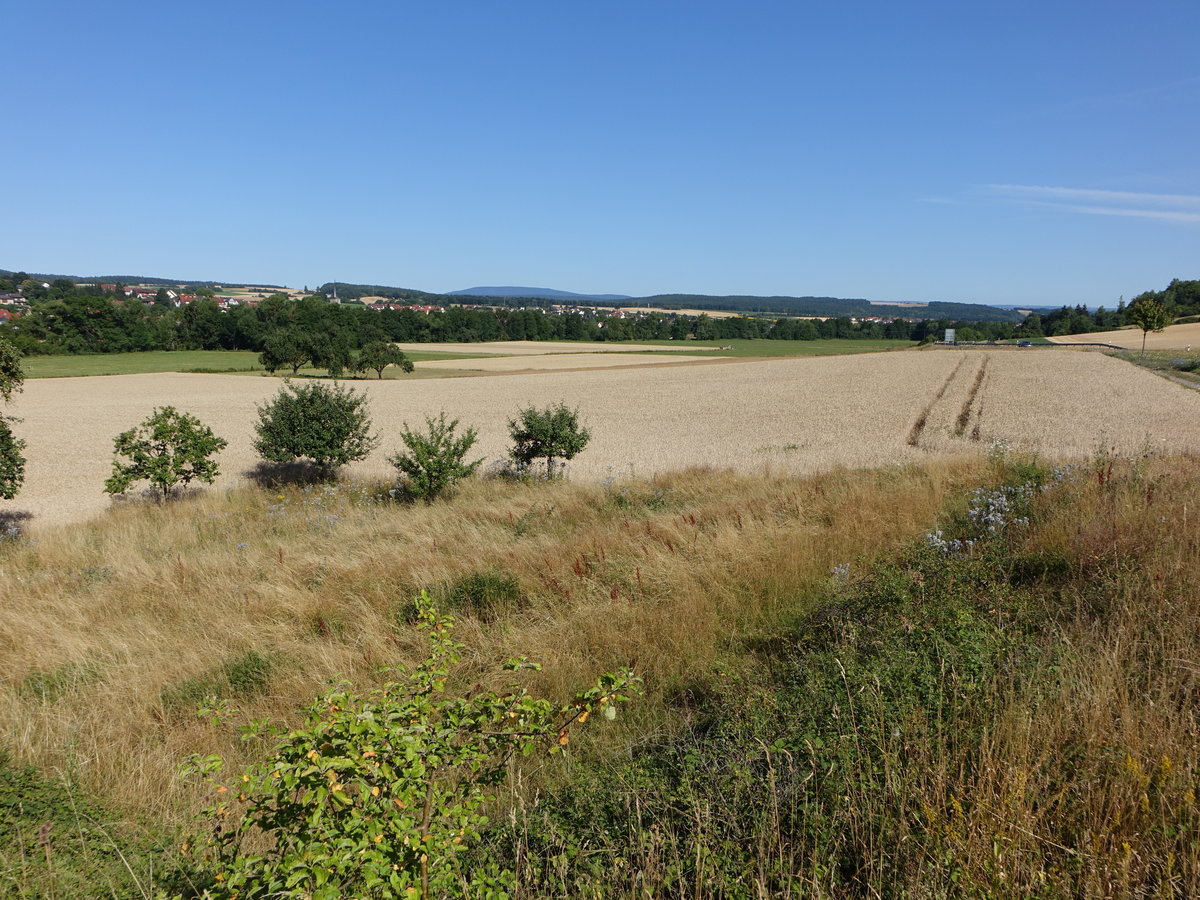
x: 56, y: 842
x: 327, y: 425
x: 379, y: 794
x: 434, y: 461
x: 549, y: 434
x: 284, y: 348
x: 12, y: 463
x: 170, y: 448
x: 813, y: 745
x: 378, y: 355
x: 485, y: 594
x: 12, y: 376
x: 244, y: 676
x: 1149, y: 315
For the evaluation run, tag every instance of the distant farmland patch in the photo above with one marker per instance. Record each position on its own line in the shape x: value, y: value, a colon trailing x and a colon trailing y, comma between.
x: 800, y: 415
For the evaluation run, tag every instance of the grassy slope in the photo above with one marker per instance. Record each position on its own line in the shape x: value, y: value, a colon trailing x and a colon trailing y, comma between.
x: 1014, y: 721
x: 1180, y: 365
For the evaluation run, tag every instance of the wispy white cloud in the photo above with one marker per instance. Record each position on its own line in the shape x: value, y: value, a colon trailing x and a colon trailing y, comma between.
x: 1179, y: 208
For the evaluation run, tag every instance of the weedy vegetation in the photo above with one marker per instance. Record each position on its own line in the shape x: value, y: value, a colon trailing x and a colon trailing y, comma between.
x: 965, y: 675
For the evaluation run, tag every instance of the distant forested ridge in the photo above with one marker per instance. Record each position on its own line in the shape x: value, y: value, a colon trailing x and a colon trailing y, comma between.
x: 540, y: 293
x: 832, y: 307
x: 131, y: 279
x: 347, y: 291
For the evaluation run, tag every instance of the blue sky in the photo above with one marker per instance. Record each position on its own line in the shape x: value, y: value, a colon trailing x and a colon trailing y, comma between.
x: 989, y: 152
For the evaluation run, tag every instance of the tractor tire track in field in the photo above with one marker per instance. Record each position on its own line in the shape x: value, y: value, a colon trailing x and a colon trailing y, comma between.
x: 964, y: 414
x: 918, y: 425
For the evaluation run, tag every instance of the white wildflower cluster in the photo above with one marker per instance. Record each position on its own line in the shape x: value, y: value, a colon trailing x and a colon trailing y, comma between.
x: 938, y: 541
x: 992, y: 511
x: 1061, y: 475
x: 998, y: 451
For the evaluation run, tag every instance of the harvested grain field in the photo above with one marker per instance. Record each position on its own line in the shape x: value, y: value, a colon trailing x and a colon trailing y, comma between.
x: 558, y: 362
x: 1173, y: 337
x: 540, y: 348
x: 803, y: 414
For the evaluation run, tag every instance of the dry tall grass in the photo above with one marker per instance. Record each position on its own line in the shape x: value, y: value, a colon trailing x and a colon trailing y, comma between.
x: 106, y: 627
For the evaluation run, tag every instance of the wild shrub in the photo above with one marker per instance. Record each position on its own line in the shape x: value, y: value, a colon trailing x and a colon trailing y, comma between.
x: 435, y: 459
x: 380, y: 794
x: 327, y: 426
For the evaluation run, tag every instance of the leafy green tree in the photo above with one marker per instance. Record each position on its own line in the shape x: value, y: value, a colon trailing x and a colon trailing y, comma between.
x: 170, y: 448
x: 12, y: 375
x: 1149, y: 315
x: 379, y: 794
x: 328, y: 426
x: 549, y: 434
x: 378, y: 355
x: 12, y: 463
x: 283, y: 347
x: 329, y: 351
x: 434, y: 461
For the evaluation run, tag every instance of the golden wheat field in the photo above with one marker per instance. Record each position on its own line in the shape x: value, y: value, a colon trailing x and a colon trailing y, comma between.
x: 798, y: 415
x: 1173, y: 337
x: 539, y: 348
x: 557, y: 362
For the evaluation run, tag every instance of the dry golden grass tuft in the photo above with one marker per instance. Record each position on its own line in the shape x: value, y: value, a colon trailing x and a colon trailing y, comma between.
x: 114, y: 630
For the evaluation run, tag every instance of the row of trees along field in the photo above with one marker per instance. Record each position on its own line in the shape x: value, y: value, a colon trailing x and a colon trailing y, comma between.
x: 66, y: 318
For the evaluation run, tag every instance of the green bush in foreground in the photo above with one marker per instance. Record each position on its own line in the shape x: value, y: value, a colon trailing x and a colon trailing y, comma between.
x: 326, y: 425
x: 169, y: 449
x: 379, y: 794
x: 434, y: 461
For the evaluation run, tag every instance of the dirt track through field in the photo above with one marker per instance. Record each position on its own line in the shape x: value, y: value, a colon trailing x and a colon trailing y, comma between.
x: 796, y: 414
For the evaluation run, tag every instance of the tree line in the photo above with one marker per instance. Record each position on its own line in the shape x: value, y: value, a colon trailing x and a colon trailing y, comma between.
x: 69, y: 319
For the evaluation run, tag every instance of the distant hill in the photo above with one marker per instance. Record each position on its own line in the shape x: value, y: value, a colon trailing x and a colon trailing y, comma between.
x: 136, y: 279
x: 537, y: 294
x: 752, y: 305
x: 347, y: 291
x: 510, y: 295
x: 833, y: 307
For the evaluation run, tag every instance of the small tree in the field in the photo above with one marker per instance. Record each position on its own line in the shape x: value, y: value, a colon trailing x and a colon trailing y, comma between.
x: 549, y: 434
x: 434, y: 461
x: 1149, y: 315
x: 328, y: 425
x: 169, y: 449
x: 378, y: 355
x: 382, y: 793
x: 12, y: 463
